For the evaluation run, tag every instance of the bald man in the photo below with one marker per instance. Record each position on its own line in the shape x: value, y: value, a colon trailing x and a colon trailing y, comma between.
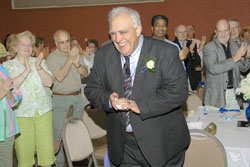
x: 223, y: 61
x: 189, y: 55
x: 67, y: 68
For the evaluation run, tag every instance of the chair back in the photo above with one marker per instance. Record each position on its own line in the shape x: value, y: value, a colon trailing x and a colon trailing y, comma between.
x: 95, y: 131
x: 77, y: 141
x: 205, y: 150
x: 57, y: 143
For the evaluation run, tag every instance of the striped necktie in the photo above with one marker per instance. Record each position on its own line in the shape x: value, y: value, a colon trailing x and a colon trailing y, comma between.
x: 127, y: 84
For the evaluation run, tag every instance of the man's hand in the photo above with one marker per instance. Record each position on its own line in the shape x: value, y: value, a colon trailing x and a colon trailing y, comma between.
x: 113, y: 97
x: 184, y: 52
x: 241, y: 52
x: 203, y: 42
x: 73, y: 53
x: 127, y: 104
x: 76, y: 61
x: 191, y: 48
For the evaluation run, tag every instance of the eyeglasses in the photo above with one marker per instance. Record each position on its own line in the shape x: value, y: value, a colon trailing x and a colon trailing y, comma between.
x: 63, y: 42
x: 223, y: 31
x: 181, y: 32
x: 234, y: 28
x: 24, y: 45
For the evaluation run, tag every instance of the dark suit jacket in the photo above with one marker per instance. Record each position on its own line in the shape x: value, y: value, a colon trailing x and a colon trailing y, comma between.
x: 191, y: 61
x: 160, y: 130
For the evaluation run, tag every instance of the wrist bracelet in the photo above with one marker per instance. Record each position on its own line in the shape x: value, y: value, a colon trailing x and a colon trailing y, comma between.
x: 78, y: 66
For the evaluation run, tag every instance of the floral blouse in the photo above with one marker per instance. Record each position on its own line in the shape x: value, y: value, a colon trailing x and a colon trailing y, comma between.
x: 35, y: 96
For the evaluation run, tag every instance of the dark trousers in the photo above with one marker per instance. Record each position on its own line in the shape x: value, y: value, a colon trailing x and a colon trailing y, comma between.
x: 134, y: 158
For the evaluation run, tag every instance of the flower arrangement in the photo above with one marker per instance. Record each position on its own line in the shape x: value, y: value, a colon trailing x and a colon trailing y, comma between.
x: 244, y: 88
x: 149, y: 64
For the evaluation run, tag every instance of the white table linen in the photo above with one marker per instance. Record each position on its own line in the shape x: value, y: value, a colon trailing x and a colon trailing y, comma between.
x: 236, y: 140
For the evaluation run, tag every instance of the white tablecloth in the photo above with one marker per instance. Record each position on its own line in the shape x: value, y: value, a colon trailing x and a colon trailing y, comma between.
x: 236, y: 140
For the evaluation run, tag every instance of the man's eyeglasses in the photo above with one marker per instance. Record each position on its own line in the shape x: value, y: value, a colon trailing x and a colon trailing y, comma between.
x: 63, y: 42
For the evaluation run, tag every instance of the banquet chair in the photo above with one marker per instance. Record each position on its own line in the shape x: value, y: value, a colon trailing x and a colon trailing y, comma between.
x: 192, y: 102
x: 205, y: 150
x: 77, y: 142
x: 58, y: 143
x: 96, y: 132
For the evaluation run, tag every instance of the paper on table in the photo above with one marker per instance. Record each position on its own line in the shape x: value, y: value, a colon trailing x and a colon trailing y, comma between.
x: 195, y: 125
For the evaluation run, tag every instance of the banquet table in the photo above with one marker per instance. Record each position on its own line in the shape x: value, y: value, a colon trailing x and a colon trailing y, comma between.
x: 236, y: 140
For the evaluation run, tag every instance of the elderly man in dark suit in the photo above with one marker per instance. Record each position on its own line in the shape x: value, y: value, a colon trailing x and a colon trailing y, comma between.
x: 140, y: 83
x: 190, y: 56
x: 224, y: 61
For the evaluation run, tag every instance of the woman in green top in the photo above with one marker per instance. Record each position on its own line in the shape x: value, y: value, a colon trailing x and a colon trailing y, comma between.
x: 34, y: 114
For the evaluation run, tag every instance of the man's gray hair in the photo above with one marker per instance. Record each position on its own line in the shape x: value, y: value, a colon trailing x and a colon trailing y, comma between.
x: 234, y: 20
x: 59, y: 31
x: 132, y: 13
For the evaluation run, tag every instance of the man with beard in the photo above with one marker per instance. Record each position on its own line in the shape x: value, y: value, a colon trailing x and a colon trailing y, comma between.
x: 223, y: 61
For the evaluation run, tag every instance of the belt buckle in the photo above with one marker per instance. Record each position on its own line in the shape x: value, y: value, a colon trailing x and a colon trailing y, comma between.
x: 130, y: 133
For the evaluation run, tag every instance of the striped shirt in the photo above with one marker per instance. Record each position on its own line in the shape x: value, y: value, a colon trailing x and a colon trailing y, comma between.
x: 8, y: 122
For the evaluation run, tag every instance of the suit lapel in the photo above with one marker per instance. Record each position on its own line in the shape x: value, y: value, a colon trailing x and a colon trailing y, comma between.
x: 139, y: 76
x: 116, y: 78
x: 115, y: 71
x: 220, y: 50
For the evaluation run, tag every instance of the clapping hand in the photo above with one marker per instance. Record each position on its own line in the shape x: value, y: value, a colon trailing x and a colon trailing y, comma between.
x: 26, y: 64
x: 184, y: 52
x: 74, y: 56
x: 248, y: 51
x: 88, y: 52
x: 241, y: 52
x: 7, y: 84
x: 191, y: 48
x: 203, y: 42
x: 38, y: 61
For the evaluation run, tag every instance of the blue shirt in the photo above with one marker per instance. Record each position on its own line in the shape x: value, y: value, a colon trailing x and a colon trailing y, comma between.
x: 175, y: 44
